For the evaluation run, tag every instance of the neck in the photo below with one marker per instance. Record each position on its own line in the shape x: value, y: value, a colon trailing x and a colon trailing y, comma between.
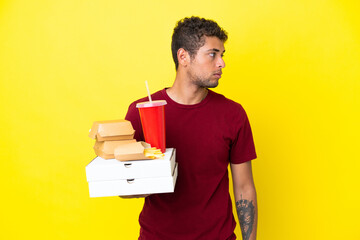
x: 185, y: 92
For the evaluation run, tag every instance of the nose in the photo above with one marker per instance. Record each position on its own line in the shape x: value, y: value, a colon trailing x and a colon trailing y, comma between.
x: 221, y: 63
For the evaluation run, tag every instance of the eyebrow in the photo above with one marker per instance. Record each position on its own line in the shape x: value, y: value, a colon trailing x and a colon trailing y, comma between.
x: 214, y: 49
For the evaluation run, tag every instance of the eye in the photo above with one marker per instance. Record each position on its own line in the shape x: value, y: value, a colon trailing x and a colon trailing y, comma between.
x: 212, y: 54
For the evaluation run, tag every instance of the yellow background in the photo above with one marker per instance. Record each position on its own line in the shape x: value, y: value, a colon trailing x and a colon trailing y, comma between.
x: 293, y: 65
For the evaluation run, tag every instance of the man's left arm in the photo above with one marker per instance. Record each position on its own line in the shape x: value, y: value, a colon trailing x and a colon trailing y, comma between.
x: 245, y: 198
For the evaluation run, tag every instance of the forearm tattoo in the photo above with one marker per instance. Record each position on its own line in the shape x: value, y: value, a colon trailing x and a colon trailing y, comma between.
x: 246, y: 214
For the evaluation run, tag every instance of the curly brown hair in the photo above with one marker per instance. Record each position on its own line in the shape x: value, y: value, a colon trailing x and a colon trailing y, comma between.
x: 189, y: 34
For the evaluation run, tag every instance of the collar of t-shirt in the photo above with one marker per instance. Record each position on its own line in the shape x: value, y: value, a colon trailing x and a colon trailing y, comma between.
x: 197, y: 105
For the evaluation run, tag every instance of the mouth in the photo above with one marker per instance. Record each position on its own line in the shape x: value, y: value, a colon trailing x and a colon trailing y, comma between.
x: 218, y: 74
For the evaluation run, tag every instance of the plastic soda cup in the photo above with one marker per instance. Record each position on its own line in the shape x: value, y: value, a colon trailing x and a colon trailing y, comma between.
x: 152, y: 117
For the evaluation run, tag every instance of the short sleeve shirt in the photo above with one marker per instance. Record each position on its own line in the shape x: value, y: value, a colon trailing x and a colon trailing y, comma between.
x: 207, y: 137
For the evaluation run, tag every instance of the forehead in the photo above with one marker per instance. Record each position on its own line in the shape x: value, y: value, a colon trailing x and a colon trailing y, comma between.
x: 213, y: 43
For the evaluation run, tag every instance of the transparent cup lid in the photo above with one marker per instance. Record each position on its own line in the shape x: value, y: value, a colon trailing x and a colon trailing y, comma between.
x: 155, y: 103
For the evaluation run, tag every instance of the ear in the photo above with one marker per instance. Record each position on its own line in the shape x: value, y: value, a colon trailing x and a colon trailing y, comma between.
x: 183, y: 57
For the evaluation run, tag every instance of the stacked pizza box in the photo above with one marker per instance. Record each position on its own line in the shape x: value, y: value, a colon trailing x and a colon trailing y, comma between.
x: 126, y: 167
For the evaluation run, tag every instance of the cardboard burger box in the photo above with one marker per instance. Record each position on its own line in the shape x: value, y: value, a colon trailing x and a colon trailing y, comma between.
x: 119, y: 178
x: 112, y: 130
x: 106, y: 149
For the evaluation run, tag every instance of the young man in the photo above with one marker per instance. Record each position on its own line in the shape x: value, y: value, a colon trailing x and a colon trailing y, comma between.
x: 208, y: 131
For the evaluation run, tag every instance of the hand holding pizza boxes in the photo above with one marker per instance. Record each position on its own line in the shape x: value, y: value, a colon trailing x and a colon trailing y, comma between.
x: 126, y: 167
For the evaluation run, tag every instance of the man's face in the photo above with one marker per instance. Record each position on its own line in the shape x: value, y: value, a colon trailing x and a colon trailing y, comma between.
x: 205, y: 67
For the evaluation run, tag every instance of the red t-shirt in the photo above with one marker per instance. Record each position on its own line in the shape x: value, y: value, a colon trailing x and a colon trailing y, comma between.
x: 207, y: 137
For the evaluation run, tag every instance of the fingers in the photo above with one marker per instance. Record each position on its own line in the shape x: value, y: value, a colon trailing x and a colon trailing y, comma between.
x: 134, y: 196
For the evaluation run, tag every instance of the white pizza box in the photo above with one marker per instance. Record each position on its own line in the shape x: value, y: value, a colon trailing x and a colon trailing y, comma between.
x: 134, y: 186
x: 100, y: 169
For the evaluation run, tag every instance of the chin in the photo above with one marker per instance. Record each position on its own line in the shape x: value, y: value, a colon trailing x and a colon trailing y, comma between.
x: 212, y: 85
x: 207, y: 83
